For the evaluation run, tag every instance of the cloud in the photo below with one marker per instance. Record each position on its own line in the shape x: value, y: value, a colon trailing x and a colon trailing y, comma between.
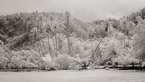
x: 87, y: 10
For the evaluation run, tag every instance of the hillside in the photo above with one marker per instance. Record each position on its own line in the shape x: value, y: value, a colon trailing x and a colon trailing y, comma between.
x: 58, y: 40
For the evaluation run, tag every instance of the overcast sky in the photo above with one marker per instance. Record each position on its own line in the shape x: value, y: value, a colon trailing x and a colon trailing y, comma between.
x: 87, y: 10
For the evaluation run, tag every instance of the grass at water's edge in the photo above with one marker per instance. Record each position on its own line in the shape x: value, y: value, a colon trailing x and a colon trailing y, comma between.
x: 38, y: 70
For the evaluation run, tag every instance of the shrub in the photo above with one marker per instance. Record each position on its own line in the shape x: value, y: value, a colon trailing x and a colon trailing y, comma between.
x: 24, y: 59
x: 3, y: 62
x: 45, y: 62
x: 3, y: 57
x: 64, y: 61
x: 16, y: 62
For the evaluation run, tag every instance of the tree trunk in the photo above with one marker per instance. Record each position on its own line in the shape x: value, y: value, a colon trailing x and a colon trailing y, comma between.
x: 39, y: 49
x: 68, y: 33
x: 96, y: 50
x: 92, y: 46
x: 56, y: 41
x: 54, y: 46
x: 50, y: 50
x: 69, y: 46
x: 44, y: 47
x: 97, y: 47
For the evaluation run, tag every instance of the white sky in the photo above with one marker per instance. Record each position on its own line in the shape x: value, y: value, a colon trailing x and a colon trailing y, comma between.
x: 87, y: 10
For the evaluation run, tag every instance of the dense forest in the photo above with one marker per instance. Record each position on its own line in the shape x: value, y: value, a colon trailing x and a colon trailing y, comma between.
x: 46, y: 40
